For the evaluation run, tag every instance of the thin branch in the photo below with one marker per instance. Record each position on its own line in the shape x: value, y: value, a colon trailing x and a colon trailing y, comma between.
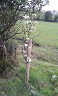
x: 12, y: 36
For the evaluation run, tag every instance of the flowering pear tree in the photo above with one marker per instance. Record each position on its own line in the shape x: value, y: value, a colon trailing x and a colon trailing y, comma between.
x: 28, y: 27
x: 10, y: 12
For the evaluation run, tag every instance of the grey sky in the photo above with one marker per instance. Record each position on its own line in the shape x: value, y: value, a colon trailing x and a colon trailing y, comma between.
x: 53, y: 5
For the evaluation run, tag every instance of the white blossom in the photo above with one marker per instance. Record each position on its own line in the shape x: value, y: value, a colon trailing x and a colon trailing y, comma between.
x: 29, y: 21
x: 12, y: 2
x: 29, y: 47
x: 25, y: 55
x: 0, y: 6
x: 33, y: 27
x: 26, y: 45
x: 26, y: 17
x: 26, y: 6
x: 24, y: 51
x: 4, y: 5
x: 28, y: 59
x: 54, y: 77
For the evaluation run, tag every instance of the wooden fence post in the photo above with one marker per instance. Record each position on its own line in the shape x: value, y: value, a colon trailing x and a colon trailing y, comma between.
x: 28, y: 61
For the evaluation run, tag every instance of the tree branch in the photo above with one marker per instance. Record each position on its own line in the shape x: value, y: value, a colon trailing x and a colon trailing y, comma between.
x: 12, y: 36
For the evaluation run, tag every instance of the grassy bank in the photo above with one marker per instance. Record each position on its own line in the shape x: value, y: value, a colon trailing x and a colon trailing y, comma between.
x: 44, y: 67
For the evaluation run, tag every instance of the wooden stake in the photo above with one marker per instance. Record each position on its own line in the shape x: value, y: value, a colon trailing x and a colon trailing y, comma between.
x: 28, y: 61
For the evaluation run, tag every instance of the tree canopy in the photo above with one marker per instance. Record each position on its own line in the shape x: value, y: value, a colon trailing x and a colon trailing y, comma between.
x: 13, y: 10
x: 48, y: 15
x: 10, y: 11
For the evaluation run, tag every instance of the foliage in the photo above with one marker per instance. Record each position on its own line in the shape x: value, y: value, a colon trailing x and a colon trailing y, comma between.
x: 56, y: 18
x: 8, y: 16
x: 48, y: 16
x: 13, y: 87
x: 3, y: 65
x: 10, y: 11
x: 42, y: 15
x: 43, y: 74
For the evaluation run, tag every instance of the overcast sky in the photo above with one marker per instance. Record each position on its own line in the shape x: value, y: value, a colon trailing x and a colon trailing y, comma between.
x: 53, y: 5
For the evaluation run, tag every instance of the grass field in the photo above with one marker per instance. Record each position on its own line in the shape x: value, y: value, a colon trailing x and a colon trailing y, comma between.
x: 44, y: 67
x: 45, y: 58
x: 49, y: 33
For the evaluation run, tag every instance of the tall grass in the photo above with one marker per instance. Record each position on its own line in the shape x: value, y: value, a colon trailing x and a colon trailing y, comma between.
x: 42, y: 68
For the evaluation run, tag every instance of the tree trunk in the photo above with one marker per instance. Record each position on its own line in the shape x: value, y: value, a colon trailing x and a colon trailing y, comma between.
x: 3, y: 52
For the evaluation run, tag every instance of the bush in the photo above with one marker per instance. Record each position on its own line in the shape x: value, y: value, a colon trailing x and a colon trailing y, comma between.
x: 4, y: 64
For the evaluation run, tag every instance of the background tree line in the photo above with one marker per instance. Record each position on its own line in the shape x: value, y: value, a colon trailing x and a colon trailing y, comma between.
x: 51, y: 16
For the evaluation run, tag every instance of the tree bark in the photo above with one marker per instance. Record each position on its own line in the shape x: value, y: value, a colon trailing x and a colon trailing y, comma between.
x: 3, y: 51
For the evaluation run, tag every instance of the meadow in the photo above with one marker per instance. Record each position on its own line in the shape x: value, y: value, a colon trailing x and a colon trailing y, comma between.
x: 43, y: 79
x: 45, y: 58
x: 49, y: 33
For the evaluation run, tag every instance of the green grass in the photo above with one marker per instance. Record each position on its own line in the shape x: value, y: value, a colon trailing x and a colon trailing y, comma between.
x: 48, y: 30
x: 41, y: 73
x: 49, y: 33
x: 13, y: 87
x: 41, y: 77
x: 44, y: 65
x: 45, y: 54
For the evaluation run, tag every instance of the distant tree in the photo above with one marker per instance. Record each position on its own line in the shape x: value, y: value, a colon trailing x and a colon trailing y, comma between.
x: 56, y: 18
x: 48, y: 16
x: 42, y: 15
